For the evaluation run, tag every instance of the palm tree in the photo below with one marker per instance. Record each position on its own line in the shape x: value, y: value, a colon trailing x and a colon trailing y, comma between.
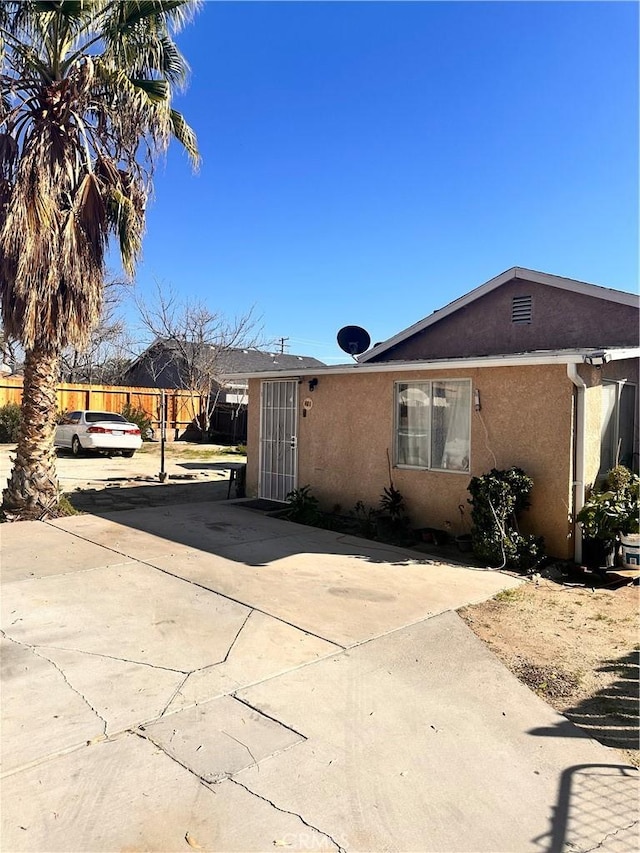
x: 85, y: 109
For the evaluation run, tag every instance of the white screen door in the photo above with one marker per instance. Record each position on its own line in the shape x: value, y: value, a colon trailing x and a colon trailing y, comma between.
x: 278, y: 439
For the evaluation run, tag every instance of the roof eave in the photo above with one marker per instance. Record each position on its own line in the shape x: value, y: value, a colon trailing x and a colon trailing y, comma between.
x: 573, y: 356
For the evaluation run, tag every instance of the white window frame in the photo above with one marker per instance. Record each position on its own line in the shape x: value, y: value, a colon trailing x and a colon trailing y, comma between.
x: 430, y: 383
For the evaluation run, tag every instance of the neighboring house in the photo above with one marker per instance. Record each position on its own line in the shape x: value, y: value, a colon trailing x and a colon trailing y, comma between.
x: 528, y: 369
x: 167, y: 365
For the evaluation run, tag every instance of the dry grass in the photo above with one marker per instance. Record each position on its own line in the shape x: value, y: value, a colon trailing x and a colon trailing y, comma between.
x: 192, y: 450
x: 576, y: 647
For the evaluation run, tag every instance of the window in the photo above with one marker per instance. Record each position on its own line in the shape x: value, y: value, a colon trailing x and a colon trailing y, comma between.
x: 97, y: 417
x: 521, y: 309
x: 433, y: 421
x: 618, y: 421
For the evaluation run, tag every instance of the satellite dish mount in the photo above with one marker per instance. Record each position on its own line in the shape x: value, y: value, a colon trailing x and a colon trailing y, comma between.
x: 354, y: 340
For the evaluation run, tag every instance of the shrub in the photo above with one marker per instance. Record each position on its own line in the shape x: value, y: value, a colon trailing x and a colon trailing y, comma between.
x: 365, y: 519
x: 10, y: 419
x: 139, y: 417
x: 392, y: 502
x: 392, y: 517
x: 497, y: 499
x: 615, y: 510
x: 303, y: 506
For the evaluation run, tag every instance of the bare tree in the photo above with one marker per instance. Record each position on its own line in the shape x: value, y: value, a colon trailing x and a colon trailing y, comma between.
x: 109, y: 348
x: 11, y: 352
x: 189, y: 346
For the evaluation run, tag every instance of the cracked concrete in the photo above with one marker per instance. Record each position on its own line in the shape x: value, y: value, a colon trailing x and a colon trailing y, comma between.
x: 622, y: 839
x: 438, y: 732
x: 128, y: 795
x: 221, y: 737
x: 40, y: 714
x: 162, y: 621
x: 206, y: 676
x: 40, y: 653
x: 264, y: 648
x: 333, y: 841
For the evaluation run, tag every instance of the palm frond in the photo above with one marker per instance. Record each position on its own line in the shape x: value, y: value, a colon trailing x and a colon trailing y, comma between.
x: 87, y: 87
x: 158, y: 91
x: 177, y: 12
x: 185, y: 135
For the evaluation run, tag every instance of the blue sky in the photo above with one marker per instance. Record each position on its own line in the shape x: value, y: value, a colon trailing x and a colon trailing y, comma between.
x: 369, y: 162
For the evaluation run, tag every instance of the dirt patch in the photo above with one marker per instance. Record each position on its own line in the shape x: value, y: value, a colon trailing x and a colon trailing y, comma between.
x: 577, y: 647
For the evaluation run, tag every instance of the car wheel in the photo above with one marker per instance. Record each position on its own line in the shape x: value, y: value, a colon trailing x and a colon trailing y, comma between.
x: 128, y: 453
x: 76, y: 447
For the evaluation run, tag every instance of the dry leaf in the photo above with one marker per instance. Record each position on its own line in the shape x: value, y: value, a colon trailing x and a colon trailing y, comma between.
x: 192, y: 842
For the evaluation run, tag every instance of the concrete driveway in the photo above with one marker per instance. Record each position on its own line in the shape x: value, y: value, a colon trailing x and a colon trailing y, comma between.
x: 202, y: 677
x: 99, y: 471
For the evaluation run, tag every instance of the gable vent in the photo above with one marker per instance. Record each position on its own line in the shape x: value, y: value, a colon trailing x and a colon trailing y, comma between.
x: 521, y: 309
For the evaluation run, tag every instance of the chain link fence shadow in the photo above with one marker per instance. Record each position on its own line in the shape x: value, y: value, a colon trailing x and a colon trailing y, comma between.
x: 596, y: 809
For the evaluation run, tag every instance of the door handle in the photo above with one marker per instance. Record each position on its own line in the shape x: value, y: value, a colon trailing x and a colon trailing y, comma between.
x: 294, y: 442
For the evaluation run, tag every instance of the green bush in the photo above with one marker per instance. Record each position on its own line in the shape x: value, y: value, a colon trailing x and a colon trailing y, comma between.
x: 139, y: 417
x: 10, y: 418
x: 497, y: 499
x: 303, y: 507
x: 392, y: 520
x: 615, y: 510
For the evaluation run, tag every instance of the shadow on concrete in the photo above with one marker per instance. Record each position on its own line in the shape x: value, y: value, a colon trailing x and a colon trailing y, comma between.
x: 237, y: 534
x: 115, y: 499
x: 610, y: 715
x: 595, y: 802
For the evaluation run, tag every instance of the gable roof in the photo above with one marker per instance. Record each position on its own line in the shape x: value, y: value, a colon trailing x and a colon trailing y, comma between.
x: 569, y: 284
x: 250, y: 359
x: 235, y: 359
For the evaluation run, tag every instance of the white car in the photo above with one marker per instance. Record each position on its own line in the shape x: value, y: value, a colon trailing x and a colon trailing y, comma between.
x: 88, y: 430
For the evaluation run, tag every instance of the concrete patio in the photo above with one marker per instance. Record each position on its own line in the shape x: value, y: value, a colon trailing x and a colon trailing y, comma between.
x: 204, y: 677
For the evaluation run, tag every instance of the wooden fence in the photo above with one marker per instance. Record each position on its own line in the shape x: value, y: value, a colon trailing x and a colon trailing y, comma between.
x: 113, y: 398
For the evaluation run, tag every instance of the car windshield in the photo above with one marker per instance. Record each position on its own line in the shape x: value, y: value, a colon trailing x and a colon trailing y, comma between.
x: 94, y: 417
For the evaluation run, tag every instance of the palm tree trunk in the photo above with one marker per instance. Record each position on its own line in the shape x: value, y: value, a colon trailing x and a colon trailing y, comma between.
x: 32, y: 489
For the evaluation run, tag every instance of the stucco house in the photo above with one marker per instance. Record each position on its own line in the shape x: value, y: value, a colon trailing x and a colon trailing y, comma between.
x: 528, y: 369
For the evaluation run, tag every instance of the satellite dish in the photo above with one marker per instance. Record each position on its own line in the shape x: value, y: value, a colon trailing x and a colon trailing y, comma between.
x: 353, y: 339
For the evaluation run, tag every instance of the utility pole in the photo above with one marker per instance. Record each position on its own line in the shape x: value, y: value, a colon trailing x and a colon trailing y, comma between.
x: 282, y: 343
x: 162, y: 476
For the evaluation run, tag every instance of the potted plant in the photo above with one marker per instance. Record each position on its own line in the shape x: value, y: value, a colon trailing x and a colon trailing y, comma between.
x: 610, y: 515
x: 627, y: 486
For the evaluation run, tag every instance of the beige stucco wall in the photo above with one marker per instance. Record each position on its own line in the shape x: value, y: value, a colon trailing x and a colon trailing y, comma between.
x: 344, y: 438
